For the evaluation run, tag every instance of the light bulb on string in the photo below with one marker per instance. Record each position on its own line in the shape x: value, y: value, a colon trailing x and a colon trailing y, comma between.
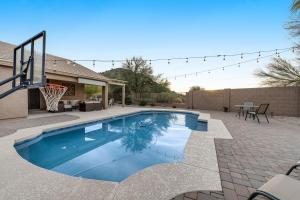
x: 113, y: 63
x: 278, y: 55
x: 293, y: 49
x: 224, y: 58
x: 186, y: 60
x: 150, y: 62
x: 169, y: 61
x: 242, y: 55
x: 239, y: 65
x: 204, y: 59
x: 259, y: 54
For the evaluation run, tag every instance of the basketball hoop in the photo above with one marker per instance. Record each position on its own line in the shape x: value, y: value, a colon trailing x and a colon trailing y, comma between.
x: 52, y: 94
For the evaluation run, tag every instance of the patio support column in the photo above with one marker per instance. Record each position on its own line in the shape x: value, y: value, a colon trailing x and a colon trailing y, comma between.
x: 105, y: 96
x: 123, y: 95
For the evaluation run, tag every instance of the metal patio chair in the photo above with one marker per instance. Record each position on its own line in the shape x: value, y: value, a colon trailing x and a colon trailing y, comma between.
x: 261, y: 110
x: 247, y: 107
x: 280, y: 187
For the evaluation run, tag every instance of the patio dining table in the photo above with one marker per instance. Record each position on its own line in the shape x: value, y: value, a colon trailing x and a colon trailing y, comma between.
x: 241, y: 107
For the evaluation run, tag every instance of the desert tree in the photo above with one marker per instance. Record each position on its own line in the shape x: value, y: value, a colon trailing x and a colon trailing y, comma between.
x: 280, y: 73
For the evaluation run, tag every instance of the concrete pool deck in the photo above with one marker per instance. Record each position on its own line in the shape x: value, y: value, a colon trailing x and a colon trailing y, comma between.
x: 199, y: 170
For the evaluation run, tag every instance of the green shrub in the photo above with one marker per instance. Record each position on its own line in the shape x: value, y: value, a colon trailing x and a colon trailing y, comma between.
x: 178, y: 100
x: 91, y: 90
x: 128, y: 101
x: 143, y: 103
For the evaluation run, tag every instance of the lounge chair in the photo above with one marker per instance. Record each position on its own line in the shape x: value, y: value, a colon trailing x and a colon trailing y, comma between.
x: 111, y: 102
x: 67, y: 105
x: 280, y: 187
x: 261, y: 110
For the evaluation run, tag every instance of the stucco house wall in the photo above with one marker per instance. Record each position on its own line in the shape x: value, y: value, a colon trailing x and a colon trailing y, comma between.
x: 16, y: 104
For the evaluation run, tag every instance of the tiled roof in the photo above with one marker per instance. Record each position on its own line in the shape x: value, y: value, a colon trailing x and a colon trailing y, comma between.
x: 62, y: 67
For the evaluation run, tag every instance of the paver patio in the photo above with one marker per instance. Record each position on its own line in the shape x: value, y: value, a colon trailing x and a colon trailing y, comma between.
x: 9, y: 126
x: 254, y: 155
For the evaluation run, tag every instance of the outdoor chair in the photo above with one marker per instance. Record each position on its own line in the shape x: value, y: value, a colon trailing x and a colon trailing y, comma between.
x: 111, y: 102
x: 74, y: 104
x: 247, y: 107
x: 67, y: 105
x: 280, y: 187
x: 261, y: 110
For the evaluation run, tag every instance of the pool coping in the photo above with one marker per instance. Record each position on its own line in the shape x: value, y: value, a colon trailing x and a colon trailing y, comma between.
x: 198, y: 171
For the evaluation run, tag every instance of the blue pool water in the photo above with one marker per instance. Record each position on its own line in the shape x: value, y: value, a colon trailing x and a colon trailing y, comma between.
x: 115, y: 148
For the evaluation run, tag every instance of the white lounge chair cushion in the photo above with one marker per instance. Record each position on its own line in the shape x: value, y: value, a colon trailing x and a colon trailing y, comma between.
x: 282, y: 187
x: 74, y: 102
x: 67, y: 106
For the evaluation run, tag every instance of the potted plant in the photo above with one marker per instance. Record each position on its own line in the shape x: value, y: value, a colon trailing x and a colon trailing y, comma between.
x: 225, y: 109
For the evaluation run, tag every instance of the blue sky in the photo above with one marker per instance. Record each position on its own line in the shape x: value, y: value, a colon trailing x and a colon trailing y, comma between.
x: 119, y: 29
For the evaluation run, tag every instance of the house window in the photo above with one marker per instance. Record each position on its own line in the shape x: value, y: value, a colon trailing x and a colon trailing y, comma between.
x: 71, y: 89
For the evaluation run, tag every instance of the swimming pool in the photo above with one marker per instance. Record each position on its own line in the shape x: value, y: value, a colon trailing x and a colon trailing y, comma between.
x: 115, y: 148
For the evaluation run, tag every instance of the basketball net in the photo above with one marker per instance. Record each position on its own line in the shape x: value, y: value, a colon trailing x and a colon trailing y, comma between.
x: 52, y: 94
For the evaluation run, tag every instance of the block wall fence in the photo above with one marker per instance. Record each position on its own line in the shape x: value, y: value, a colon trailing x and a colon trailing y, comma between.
x: 283, y: 100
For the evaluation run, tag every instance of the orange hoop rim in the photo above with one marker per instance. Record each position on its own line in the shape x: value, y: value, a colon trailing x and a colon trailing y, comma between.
x: 56, y: 86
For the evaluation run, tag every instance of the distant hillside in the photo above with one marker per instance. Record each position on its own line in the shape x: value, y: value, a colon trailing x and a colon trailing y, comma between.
x: 117, y: 73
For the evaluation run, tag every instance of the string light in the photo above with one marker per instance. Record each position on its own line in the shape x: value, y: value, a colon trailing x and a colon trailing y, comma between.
x: 242, y: 55
x: 275, y: 52
x: 237, y: 64
x: 150, y: 62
